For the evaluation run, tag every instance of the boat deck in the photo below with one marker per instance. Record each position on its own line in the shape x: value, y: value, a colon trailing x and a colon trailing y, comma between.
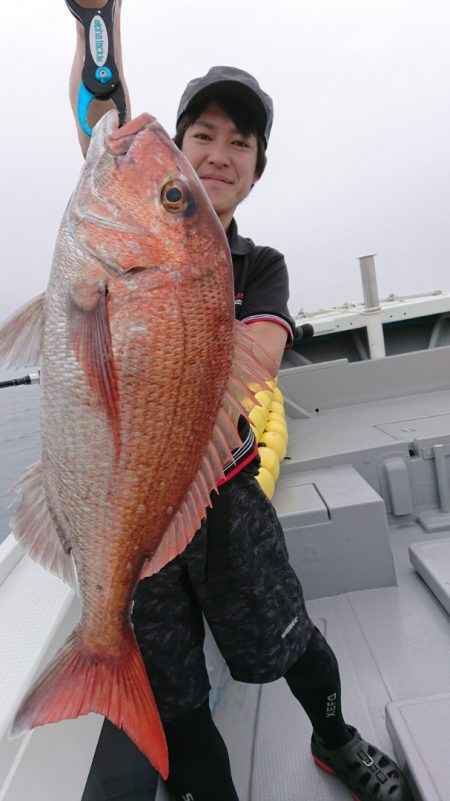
x: 392, y: 644
x: 364, y: 483
x: 358, y: 489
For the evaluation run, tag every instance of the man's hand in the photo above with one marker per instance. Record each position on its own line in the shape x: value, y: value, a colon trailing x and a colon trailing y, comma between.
x: 93, y: 3
x: 98, y: 107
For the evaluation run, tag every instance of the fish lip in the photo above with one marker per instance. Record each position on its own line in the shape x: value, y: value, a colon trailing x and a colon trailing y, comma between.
x: 107, y: 125
x: 120, y: 141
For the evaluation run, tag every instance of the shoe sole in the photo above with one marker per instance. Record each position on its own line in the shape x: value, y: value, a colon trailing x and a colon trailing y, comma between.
x: 323, y: 766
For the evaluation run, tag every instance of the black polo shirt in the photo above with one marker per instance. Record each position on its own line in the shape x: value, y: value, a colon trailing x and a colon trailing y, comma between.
x: 261, y: 283
x: 261, y: 292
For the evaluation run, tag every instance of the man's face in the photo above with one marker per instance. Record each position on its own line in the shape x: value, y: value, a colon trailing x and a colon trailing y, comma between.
x: 223, y: 158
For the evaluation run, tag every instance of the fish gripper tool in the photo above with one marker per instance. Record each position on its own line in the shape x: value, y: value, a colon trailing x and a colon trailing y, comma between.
x: 100, y: 78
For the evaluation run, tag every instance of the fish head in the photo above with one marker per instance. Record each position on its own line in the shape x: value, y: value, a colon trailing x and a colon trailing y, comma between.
x: 139, y: 205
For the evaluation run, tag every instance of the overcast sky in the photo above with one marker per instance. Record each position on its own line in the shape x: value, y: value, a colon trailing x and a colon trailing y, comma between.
x: 359, y: 154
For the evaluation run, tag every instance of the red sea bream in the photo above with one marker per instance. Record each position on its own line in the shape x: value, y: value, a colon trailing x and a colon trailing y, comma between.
x: 144, y: 374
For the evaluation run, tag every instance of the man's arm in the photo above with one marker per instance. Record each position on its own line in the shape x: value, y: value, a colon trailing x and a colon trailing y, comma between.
x: 97, y: 107
x: 272, y: 338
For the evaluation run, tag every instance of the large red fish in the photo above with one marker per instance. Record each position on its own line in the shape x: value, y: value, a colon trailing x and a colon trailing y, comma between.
x: 144, y: 375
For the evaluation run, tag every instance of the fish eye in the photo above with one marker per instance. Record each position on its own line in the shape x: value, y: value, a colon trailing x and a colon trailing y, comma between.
x: 174, y: 196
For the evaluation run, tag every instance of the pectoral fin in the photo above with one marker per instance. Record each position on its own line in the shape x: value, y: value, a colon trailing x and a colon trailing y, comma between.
x: 92, y: 344
x: 21, y: 336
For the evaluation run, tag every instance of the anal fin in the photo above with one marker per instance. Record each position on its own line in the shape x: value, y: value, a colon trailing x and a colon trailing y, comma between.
x: 33, y: 527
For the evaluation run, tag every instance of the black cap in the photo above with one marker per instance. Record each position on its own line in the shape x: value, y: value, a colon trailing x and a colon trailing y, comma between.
x: 231, y: 82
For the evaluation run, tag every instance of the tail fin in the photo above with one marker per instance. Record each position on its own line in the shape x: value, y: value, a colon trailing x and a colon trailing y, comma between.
x: 77, y: 682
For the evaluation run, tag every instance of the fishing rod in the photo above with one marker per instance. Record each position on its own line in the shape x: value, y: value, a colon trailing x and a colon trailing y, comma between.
x: 33, y: 378
x: 304, y: 331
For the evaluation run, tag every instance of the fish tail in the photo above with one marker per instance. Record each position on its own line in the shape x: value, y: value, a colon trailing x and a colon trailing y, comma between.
x: 77, y: 682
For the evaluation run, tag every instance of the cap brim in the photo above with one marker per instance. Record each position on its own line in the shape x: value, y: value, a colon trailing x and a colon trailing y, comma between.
x: 233, y: 89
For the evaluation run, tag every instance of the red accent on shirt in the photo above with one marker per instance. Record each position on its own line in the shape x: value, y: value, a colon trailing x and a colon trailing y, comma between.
x: 239, y: 466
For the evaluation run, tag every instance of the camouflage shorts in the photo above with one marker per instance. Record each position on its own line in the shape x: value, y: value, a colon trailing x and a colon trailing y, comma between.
x: 260, y: 624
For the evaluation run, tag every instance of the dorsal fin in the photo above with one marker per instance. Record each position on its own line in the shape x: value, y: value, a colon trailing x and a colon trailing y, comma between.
x: 247, y: 377
x: 21, y: 335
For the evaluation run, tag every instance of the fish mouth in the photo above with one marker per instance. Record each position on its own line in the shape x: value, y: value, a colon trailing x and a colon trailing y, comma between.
x: 118, y: 141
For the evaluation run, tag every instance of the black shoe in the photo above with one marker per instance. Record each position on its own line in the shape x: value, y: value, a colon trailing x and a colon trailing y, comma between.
x: 369, y: 774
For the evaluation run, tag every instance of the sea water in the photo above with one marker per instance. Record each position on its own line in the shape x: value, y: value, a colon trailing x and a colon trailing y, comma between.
x: 20, y: 441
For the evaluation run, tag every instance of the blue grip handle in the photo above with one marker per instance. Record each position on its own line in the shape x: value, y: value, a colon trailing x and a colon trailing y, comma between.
x: 85, y: 98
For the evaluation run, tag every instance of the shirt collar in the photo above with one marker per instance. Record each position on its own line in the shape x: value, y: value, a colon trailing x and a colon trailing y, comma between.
x: 239, y: 245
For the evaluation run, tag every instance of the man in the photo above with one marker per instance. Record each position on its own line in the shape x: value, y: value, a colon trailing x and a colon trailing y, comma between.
x: 236, y: 571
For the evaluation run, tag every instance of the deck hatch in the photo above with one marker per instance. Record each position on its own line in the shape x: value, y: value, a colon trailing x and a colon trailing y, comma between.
x: 301, y: 505
x: 418, y: 427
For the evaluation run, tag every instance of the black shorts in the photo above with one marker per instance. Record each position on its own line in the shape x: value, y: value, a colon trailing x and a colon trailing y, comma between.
x: 260, y: 623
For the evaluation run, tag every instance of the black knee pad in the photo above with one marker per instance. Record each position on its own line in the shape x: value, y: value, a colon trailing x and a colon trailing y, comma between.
x: 317, y: 666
